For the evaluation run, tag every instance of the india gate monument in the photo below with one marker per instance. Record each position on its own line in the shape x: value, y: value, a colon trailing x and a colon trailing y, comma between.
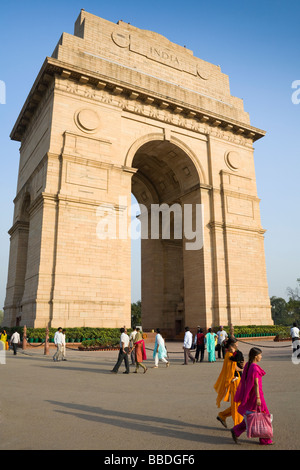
x: 117, y: 111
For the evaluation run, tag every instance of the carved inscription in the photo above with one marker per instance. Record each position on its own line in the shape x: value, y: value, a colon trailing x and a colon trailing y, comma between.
x: 163, y: 55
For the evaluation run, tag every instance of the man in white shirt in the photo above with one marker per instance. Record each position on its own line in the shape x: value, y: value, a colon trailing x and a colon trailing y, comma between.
x: 58, y: 341
x: 14, y: 341
x: 123, y: 353
x: 222, y: 335
x: 295, y: 337
x: 187, y: 344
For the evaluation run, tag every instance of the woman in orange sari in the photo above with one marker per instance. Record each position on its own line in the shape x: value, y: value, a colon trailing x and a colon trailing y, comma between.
x: 140, y: 351
x: 228, y: 382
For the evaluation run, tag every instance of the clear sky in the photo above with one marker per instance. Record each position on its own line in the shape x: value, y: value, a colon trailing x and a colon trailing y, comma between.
x: 256, y: 43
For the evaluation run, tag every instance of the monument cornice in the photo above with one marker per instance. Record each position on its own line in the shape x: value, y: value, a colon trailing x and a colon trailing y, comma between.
x: 19, y: 226
x: 235, y: 227
x: 53, y: 67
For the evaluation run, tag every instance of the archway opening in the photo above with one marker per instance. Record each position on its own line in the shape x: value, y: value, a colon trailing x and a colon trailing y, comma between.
x: 165, y: 185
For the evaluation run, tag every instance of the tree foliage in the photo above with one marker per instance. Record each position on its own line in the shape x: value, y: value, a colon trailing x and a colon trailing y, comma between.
x: 286, y: 312
x: 136, y: 313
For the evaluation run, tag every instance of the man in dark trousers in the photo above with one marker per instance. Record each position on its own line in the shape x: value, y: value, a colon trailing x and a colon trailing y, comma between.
x: 123, y: 353
x: 199, y: 340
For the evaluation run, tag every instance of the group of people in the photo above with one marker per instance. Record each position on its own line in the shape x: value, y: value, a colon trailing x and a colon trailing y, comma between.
x: 238, y: 383
x: 241, y: 385
x: 133, y: 345
x: 212, y: 341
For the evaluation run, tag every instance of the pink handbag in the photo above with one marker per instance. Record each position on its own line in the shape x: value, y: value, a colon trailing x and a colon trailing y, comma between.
x: 259, y: 424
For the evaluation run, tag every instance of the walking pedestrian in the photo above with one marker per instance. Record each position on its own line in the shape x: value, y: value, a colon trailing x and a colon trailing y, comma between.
x: 123, y: 353
x: 295, y: 337
x: 58, y: 341
x: 250, y: 393
x: 228, y: 382
x: 64, y: 345
x: 15, y: 341
x: 131, y: 341
x: 199, y: 342
x: 3, y: 338
x: 140, y: 351
x: 210, y: 341
x: 159, y: 351
x: 187, y: 344
x: 222, y: 337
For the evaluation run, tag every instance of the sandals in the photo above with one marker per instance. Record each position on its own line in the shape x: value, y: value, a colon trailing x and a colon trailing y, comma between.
x: 234, y: 436
x: 222, y: 421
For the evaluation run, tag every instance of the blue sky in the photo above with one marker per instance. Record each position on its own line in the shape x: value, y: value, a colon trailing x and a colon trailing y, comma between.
x: 256, y: 43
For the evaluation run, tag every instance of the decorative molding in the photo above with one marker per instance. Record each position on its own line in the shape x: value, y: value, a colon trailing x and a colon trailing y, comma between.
x: 224, y: 226
x: 129, y: 98
x: 176, y: 116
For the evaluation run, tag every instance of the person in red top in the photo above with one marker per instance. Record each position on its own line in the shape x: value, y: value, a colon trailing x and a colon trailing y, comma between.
x: 199, y: 340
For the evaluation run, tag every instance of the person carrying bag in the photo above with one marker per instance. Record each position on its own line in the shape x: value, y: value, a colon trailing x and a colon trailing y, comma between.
x: 250, y: 395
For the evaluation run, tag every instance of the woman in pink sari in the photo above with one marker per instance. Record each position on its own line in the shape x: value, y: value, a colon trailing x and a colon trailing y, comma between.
x: 250, y: 393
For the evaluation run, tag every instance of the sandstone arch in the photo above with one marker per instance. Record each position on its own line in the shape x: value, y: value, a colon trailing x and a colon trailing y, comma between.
x: 110, y: 101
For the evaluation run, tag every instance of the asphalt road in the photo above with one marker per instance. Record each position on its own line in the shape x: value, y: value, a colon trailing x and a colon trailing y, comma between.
x: 80, y: 405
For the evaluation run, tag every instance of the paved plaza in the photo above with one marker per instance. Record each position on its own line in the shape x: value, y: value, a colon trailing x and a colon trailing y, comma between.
x: 80, y: 405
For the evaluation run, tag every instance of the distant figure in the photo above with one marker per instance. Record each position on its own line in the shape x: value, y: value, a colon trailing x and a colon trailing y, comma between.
x: 3, y: 338
x: 15, y: 341
x: 140, y: 351
x: 222, y: 336
x: 295, y: 337
x: 199, y: 342
x: 159, y: 351
x: 131, y: 341
x: 123, y: 353
x: 63, y: 345
x: 58, y: 341
x: 210, y: 341
x: 187, y: 344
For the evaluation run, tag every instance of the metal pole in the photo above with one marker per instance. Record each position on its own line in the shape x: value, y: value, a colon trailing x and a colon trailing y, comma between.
x: 24, y: 342
x: 46, y: 347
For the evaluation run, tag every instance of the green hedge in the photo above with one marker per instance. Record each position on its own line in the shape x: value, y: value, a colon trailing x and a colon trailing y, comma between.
x: 258, y: 330
x: 104, y: 336
x: 111, y: 336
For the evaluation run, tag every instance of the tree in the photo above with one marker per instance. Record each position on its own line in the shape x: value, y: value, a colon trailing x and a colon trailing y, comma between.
x: 279, y: 311
x: 136, y: 313
x: 293, y: 304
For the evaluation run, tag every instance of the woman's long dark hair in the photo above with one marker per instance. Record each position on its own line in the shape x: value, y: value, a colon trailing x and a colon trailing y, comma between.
x: 252, y: 355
